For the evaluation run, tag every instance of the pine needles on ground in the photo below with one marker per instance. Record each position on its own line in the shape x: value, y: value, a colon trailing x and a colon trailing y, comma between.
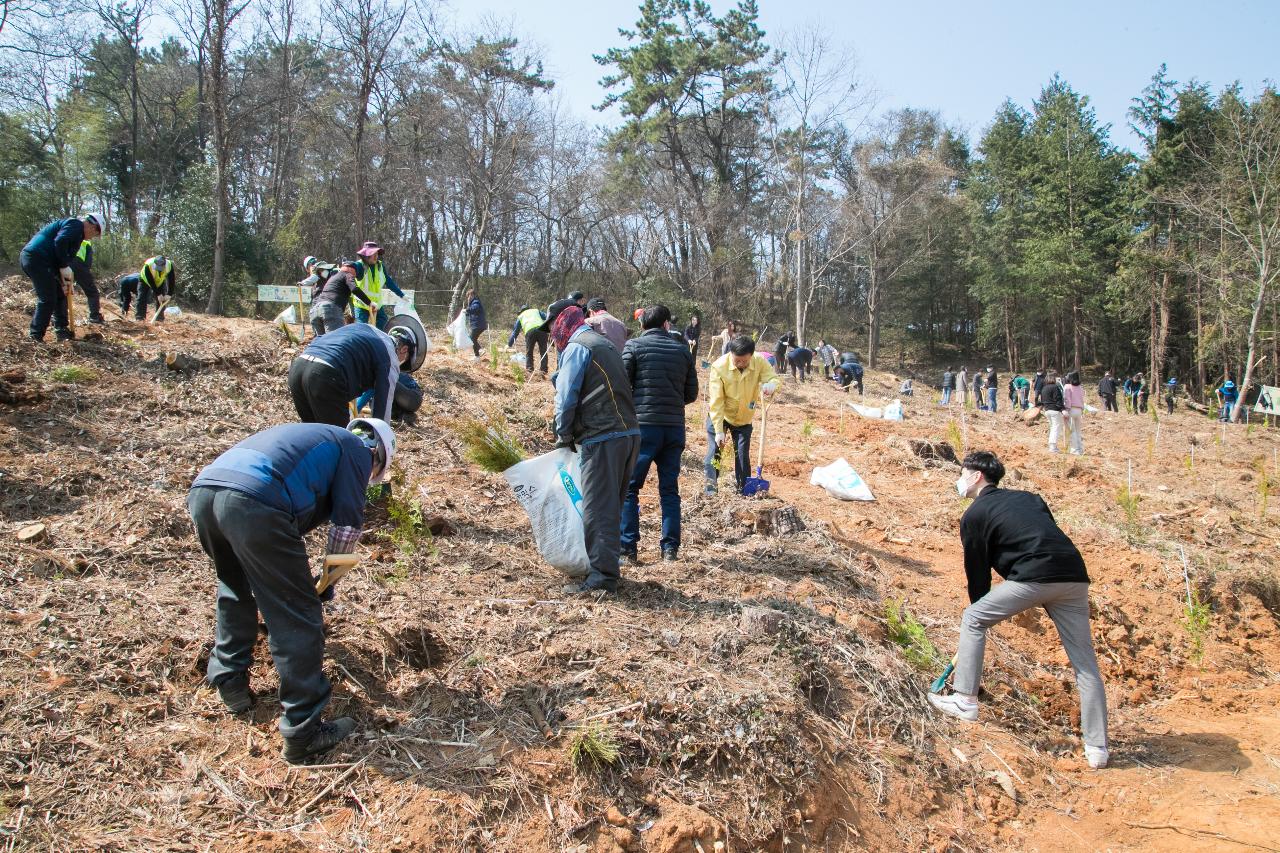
x: 491, y: 447
x: 72, y: 373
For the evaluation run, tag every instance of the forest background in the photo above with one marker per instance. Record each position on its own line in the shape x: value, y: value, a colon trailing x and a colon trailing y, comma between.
x: 750, y: 176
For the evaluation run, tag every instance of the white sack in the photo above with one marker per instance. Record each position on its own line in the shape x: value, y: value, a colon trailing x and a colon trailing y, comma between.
x: 872, y: 412
x: 459, y: 331
x: 893, y: 411
x: 841, y: 481
x: 548, y: 489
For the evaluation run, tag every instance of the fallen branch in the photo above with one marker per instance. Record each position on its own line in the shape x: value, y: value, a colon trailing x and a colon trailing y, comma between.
x: 1188, y: 830
x: 336, y: 782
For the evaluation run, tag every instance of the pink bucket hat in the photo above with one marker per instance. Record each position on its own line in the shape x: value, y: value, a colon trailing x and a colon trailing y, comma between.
x: 369, y: 249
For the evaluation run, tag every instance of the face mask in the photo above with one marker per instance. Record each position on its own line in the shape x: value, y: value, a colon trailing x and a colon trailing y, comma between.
x: 961, y: 485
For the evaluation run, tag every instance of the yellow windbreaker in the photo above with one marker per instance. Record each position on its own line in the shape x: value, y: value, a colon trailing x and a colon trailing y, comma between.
x: 734, y: 393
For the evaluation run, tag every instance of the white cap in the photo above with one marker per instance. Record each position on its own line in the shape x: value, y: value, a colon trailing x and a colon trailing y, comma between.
x: 95, y: 219
x: 381, y: 432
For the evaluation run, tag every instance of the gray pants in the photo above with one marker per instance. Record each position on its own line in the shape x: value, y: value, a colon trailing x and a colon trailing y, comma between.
x: 262, y: 565
x: 606, y: 473
x: 1068, y: 606
x: 326, y: 317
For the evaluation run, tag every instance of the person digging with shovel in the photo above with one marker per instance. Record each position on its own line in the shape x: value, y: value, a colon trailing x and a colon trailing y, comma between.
x: 251, y: 508
x: 157, y: 280
x: 739, y: 380
x: 1014, y: 533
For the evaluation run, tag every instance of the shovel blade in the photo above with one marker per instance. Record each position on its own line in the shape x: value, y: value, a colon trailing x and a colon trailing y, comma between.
x: 941, y: 681
x: 754, y: 486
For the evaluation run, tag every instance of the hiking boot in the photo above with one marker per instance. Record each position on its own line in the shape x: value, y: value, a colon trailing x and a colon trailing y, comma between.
x: 32, y: 336
x: 669, y: 555
x: 61, y: 335
x: 236, y: 694
x: 956, y: 706
x: 1097, y: 756
x: 324, y: 737
x: 98, y: 320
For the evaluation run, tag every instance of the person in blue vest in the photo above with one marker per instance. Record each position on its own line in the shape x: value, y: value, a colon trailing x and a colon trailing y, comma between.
x: 477, y: 323
x: 157, y: 280
x: 339, y: 366
x: 1228, y: 394
x: 373, y: 282
x: 82, y: 269
x: 251, y: 508
x: 47, y: 261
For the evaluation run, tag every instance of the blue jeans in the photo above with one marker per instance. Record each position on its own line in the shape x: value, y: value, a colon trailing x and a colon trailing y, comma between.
x: 991, y: 399
x: 946, y: 396
x: 1226, y: 411
x: 660, y: 446
x: 384, y: 316
x: 741, y: 453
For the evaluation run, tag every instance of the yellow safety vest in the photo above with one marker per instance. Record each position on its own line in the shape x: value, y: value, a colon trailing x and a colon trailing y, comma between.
x: 83, y: 254
x: 375, y: 276
x: 530, y: 320
x: 157, y: 275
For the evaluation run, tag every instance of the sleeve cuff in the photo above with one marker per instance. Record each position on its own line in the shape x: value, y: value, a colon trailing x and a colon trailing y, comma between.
x: 342, y: 540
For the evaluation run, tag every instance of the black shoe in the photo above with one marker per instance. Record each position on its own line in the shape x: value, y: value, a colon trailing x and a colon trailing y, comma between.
x: 98, y: 321
x: 32, y: 336
x: 61, y: 335
x: 632, y: 558
x: 236, y: 694
x: 321, y: 739
x: 669, y: 555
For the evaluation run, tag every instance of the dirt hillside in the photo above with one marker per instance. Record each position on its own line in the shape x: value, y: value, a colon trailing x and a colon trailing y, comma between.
x: 750, y: 696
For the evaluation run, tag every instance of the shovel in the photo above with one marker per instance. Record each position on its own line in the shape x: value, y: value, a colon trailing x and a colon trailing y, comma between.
x: 161, y: 302
x: 757, y: 485
x: 941, y: 681
x: 335, y: 566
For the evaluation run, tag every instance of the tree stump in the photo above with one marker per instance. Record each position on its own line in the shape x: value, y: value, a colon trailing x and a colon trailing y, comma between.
x: 778, y: 522
x: 181, y: 362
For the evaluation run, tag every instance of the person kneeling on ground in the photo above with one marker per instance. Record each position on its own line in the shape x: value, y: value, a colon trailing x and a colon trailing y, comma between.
x: 1014, y: 533
x: 595, y: 417
x: 664, y: 379
x: 251, y: 507
x: 739, y: 380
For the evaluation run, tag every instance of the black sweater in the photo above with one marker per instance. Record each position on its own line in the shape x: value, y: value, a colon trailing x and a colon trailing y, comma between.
x: 663, y: 377
x: 1014, y: 533
x: 1051, y: 399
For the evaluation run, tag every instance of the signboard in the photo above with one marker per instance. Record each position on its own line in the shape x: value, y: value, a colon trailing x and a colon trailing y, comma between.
x: 289, y: 294
x: 1268, y: 401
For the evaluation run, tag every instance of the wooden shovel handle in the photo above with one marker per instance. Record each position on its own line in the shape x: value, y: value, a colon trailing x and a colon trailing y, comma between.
x: 335, y: 566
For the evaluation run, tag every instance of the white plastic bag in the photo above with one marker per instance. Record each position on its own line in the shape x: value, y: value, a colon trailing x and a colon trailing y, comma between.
x: 893, y: 411
x: 461, y: 334
x: 288, y: 315
x: 173, y: 311
x: 871, y: 412
x: 548, y: 489
x: 1090, y: 409
x: 841, y: 481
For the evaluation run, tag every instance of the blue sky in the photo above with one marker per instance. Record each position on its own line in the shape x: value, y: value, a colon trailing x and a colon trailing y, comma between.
x: 961, y: 59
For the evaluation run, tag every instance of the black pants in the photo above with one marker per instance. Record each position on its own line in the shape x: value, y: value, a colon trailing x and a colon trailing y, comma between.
x: 262, y: 567
x: 128, y: 285
x: 741, y: 454
x: 1109, y: 403
x: 538, y: 338
x: 475, y: 339
x: 51, y: 300
x: 145, y: 295
x: 84, y: 278
x: 1168, y: 401
x: 606, y: 473
x: 319, y: 393
x: 693, y: 348
x: 800, y: 370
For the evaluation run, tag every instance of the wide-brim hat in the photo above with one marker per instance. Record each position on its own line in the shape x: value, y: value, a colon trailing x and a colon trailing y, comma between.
x: 369, y: 249
x: 413, y: 325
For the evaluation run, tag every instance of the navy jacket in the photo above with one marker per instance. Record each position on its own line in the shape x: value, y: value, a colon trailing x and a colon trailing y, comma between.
x: 314, y: 472
x: 476, y: 321
x: 663, y: 377
x: 366, y: 358
x: 57, y: 242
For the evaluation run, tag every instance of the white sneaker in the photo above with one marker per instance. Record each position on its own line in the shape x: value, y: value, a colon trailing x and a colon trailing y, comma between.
x: 955, y: 706
x: 1097, y: 756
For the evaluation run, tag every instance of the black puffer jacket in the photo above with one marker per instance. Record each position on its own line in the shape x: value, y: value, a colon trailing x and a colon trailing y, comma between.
x: 663, y: 377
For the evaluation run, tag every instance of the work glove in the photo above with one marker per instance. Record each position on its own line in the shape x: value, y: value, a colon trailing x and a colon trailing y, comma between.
x: 768, y: 388
x: 68, y: 277
x: 329, y: 590
x: 719, y: 440
x: 567, y: 443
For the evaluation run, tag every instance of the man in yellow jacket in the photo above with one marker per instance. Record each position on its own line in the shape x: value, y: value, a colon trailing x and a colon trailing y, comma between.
x: 739, y: 379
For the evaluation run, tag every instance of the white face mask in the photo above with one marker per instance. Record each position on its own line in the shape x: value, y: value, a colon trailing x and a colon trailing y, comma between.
x: 962, y: 487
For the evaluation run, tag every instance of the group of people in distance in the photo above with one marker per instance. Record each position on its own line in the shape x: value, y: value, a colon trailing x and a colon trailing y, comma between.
x: 60, y: 256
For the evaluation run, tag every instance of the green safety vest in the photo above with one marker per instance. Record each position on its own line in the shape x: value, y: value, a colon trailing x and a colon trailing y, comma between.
x: 157, y: 275
x: 375, y: 276
x: 85, y: 248
x: 530, y: 320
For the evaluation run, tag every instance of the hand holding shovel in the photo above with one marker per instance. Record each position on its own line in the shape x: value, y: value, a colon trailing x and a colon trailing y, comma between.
x: 334, y: 568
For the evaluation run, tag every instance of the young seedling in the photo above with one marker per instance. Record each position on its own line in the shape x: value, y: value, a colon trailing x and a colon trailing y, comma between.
x: 594, y: 746
x: 72, y: 374
x: 490, y: 446
x: 1128, y: 501
x: 518, y: 374
x: 955, y: 438
x: 907, y: 633
x: 493, y: 357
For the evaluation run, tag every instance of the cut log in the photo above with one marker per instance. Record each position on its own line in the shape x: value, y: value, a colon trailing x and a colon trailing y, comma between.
x: 33, y: 533
x: 1030, y: 416
x: 933, y: 450
x: 1197, y: 407
x: 778, y: 522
